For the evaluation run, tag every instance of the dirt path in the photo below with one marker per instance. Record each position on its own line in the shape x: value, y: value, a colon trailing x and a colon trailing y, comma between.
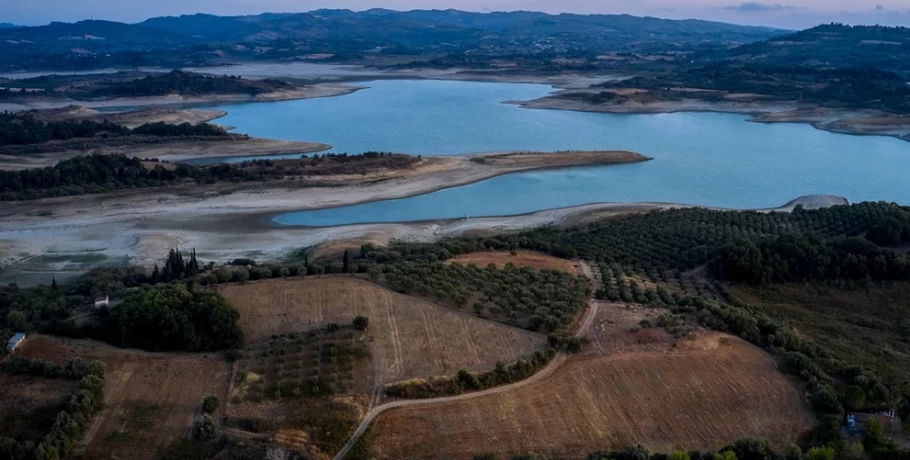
x: 543, y: 373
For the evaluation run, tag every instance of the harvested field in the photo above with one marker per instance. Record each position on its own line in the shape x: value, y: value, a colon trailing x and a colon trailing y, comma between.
x: 699, y: 394
x: 521, y: 259
x: 150, y: 398
x: 410, y: 338
x: 29, y: 404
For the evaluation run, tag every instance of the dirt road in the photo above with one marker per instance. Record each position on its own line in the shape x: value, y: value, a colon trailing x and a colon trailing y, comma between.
x: 560, y: 358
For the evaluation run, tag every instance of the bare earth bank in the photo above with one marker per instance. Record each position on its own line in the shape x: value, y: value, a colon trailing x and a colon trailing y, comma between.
x: 844, y: 121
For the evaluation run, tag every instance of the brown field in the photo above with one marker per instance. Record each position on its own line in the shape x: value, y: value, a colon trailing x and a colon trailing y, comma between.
x: 411, y: 338
x: 150, y: 398
x: 28, y: 404
x: 631, y: 386
x: 520, y: 259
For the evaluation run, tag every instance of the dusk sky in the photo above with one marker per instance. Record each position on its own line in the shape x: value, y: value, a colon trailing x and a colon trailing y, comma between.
x: 785, y: 13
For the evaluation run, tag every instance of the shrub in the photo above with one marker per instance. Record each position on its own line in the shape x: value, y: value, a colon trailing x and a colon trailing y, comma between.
x: 210, y: 404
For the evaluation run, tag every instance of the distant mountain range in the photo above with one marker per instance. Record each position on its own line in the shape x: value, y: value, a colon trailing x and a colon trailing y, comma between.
x: 419, y: 26
x: 416, y: 29
x: 465, y: 38
x: 6, y: 25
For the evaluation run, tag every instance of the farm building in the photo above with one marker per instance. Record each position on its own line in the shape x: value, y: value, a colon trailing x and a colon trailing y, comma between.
x: 15, y: 341
x: 102, y: 301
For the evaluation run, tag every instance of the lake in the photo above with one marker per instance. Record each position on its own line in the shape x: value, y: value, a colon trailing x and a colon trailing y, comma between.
x: 710, y: 159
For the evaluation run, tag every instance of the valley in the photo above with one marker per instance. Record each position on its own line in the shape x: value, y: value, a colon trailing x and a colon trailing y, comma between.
x: 379, y: 234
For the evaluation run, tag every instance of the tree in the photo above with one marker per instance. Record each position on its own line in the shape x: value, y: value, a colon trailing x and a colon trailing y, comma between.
x: 361, y: 322
x: 793, y: 452
x: 16, y: 319
x: 820, y: 453
x: 346, y: 265
x: 210, y: 404
x: 873, y: 435
x: 679, y: 455
x: 204, y: 428
x: 467, y: 380
x: 725, y: 455
x: 854, y: 397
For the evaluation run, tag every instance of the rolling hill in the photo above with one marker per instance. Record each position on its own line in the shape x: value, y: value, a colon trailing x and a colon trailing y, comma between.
x: 422, y: 27
x: 832, y: 45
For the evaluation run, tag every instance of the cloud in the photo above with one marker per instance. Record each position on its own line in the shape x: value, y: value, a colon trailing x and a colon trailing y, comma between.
x: 756, y: 7
x: 879, y: 8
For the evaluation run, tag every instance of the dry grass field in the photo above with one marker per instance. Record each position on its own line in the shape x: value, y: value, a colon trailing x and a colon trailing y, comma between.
x: 521, y: 259
x: 411, y: 338
x: 631, y: 386
x: 150, y: 398
x: 29, y: 404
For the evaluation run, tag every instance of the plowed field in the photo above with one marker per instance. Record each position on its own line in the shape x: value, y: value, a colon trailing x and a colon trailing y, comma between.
x: 702, y: 394
x: 150, y: 398
x: 411, y: 338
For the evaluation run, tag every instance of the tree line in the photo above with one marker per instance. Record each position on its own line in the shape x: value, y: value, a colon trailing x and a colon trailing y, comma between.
x: 99, y: 173
x: 172, y: 318
x: 25, y: 128
x: 189, y: 84
x: 71, y: 421
x: 808, y: 257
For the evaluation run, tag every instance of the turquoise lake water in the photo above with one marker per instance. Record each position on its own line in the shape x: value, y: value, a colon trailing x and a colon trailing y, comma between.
x: 709, y: 159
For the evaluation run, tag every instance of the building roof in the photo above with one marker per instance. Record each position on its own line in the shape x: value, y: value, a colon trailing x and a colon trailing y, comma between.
x: 17, y: 338
x: 101, y: 298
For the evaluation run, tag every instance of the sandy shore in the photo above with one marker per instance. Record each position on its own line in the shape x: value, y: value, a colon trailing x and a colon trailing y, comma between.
x: 68, y: 235
x: 844, y: 121
x: 171, y: 151
x: 68, y: 247
x: 307, y: 92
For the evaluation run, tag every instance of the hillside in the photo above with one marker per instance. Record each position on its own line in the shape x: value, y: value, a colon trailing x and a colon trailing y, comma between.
x: 833, y: 45
x: 201, y: 39
x: 93, y: 34
x: 423, y: 28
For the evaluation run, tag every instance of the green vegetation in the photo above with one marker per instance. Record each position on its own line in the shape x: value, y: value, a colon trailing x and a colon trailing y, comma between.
x: 210, y: 404
x: 98, y: 173
x: 684, y: 239
x: 302, y: 365
x: 545, y: 299
x: 860, y: 87
x: 25, y: 129
x: 329, y: 422
x: 465, y: 381
x: 861, y: 323
x: 830, y: 45
x: 809, y: 257
x: 74, y: 369
x: 169, y: 317
x: 69, y: 423
x: 189, y: 84
x: 176, y: 42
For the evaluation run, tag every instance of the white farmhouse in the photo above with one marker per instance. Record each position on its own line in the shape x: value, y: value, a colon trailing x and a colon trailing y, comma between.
x: 102, y: 301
